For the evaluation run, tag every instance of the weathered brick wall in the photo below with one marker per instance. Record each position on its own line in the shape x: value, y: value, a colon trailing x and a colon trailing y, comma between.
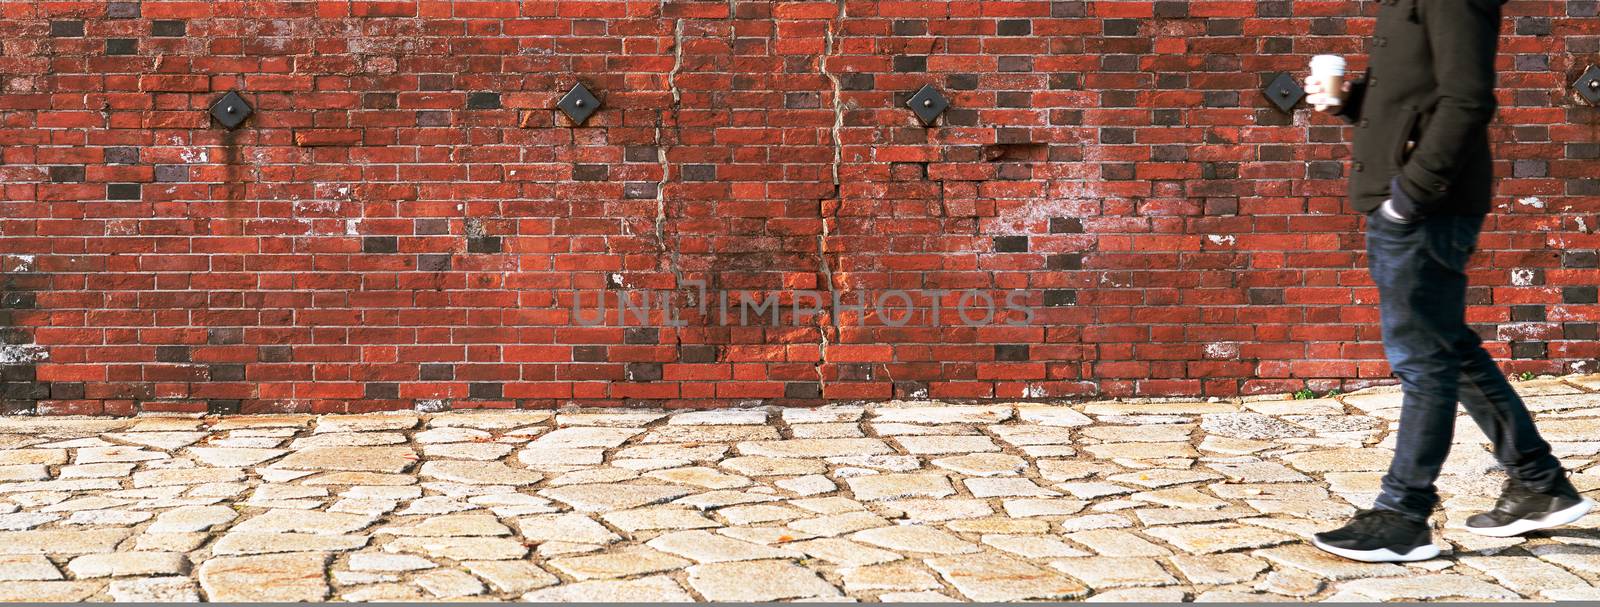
x: 405, y: 220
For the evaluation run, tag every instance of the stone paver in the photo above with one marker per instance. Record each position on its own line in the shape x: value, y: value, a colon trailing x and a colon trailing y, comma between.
x: 901, y: 501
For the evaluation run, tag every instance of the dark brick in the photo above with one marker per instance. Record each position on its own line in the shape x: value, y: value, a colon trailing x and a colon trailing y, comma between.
x: 1120, y: 27
x: 642, y: 371
x: 1060, y: 297
x: 1220, y: 99
x: 383, y: 390
x: 223, y: 336
x: 434, y: 262
x: 697, y: 353
x: 1224, y: 27
x: 483, y: 101
x: 484, y: 390
x: 19, y: 300
x: 699, y: 172
x: 122, y: 155
x: 1528, y: 313
x: 380, y: 244
x: 66, y: 29
x: 168, y: 29
x: 1580, y: 259
x: 1011, y: 244
x: 1326, y: 169
x: 1528, y: 350
x: 1173, y: 9
x: 172, y: 354
x: 1016, y: 63
x: 1014, y: 27
x: 1119, y: 63
x: 172, y: 172
x: 1534, y: 26
x: 1580, y: 295
x: 122, y: 10
x: 1266, y: 297
x: 436, y: 82
x: 275, y: 354
x: 909, y: 27
x: 799, y: 389
x: 219, y: 406
x: 590, y: 172
x: 1011, y: 352
x: 1064, y: 261
x: 1116, y: 135
x: 486, y: 244
x: 1530, y: 168
x: 855, y: 372
x: 1066, y: 225
x: 961, y: 82
x: 910, y: 389
x: 641, y: 335
x: 589, y: 354
x: 1066, y: 81
x: 1275, y: 8
x: 433, y: 118
x: 123, y: 191
x: 379, y: 101
x: 639, y: 153
x: 430, y: 227
x: 436, y: 372
x: 1580, y: 330
x: 67, y: 390
x: 856, y: 81
x: 910, y: 63
x: 67, y: 174
x: 225, y: 372
x: 122, y: 46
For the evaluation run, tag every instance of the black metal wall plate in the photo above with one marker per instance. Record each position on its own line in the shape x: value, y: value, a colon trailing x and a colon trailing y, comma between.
x: 231, y: 110
x: 578, y: 104
x: 928, y: 103
x: 1284, y: 92
x: 1588, y: 85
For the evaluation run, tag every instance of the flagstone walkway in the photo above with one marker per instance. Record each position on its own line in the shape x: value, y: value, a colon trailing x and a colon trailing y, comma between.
x: 900, y: 501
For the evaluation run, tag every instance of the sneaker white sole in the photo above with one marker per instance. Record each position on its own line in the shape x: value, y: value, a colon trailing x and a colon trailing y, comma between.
x: 1382, y: 555
x: 1554, y: 519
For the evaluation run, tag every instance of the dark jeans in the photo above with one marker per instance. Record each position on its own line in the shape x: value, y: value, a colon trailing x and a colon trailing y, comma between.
x: 1422, y: 285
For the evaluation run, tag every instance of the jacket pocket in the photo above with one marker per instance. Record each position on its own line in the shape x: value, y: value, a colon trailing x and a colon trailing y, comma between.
x: 1406, y: 138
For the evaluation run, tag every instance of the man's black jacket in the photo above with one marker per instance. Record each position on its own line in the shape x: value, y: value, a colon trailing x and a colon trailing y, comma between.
x: 1430, y: 82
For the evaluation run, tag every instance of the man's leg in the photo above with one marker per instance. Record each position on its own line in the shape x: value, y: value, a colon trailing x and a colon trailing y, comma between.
x: 1422, y: 285
x: 1500, y: 413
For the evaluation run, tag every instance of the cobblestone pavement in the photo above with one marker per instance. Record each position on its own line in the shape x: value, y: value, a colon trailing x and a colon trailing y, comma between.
x: 900, y: 501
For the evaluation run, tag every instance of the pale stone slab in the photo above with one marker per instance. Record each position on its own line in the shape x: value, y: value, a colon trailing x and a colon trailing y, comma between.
x: 1342, y: 460
x: 983, y: 464
x: 709, y: 434
x: 1206, y: 539
x: 607, y: 498
x: 896, y: 486
x: 274, y: 578
x: 479, y: 473
x: 48, y: 592
x: 351, y: 459
x: 98, y: 455
x: 450, y: 583
x: 62, y: 542
x: 568, y: 527
x: 815, y: 447
x: 460, y: 548
x: 1139, y: 434
x: 1023, y: 508
x: 915, y: 539
x: 1524, y: 574
x: 844, y: 552
x: 27, y: 567
x: 48, y: 457
x: 946, y: 509
x: 128, y: 564
x: 626, y: 562
x: 758, y: 581
x: 451, y: 525
x: 299, y: 521
x: 650, y: 589
x: 1217, y: 569
x: 378, y: 561
x: 24, y: 472
x: 894, y: 576
x: 511, y: 576
x: 489, y: 420
x: 812, y: 484
x: 1052, y: 416
x: 705, y: 547
x: 994, y: 578
x: 700, y: 476
x: 957, y: 414
x: 1115, y: 542
x: 826, y: 431
x: 482, y: 452
x: 584, y: 437
x: 1427, y: 587
x: 773, y: 466
x: 939, y: 445
x: 233, y: 457
x: 1163, y: 477
x: 1006, y: 487
x: 823, y: 415
x: 719, y: 417
x: 1308, y: 558
x: 1138, y: 451
x: 272, y: 543
x: 658, y: 517
x: 348, y: 439
x: 1115, y: 572
x: 154, y: 590
x: 1259, y: 472
x: 365, y: 423
x: 1032, y: 546
x: 1168, y: 408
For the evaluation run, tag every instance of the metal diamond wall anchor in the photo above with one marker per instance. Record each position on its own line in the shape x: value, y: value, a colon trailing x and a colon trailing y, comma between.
x: 928, y: 103
x: 1284, y: 92
x: 1588, y: 85
x: 231, y: 110
x: 578, y: 104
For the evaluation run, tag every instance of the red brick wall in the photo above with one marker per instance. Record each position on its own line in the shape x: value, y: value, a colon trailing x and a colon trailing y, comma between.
x: 405, y: 220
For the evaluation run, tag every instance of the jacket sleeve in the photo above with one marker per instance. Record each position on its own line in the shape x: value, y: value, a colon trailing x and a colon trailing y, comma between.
x: 1463, y: 36
x: 1350, y: 110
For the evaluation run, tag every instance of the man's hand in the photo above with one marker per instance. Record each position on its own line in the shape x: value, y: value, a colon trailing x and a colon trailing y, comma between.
x: 1399, y: 208
x: 1313, y: 88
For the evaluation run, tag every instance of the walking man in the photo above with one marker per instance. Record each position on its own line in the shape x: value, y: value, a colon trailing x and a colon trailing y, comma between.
x: 1422, y: 174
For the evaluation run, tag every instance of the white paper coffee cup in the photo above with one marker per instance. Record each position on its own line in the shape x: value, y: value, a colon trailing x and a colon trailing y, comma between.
x: 1327, y: 70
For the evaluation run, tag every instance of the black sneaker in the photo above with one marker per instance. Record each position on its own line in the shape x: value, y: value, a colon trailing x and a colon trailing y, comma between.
x: 1380, y: 536
x: 1521, y: 509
